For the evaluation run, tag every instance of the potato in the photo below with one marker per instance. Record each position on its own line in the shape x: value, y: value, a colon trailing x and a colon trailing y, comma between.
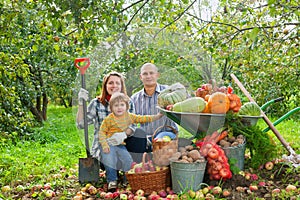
x: 189, y: 147
x: 231, y: 139
x: 194, y: 154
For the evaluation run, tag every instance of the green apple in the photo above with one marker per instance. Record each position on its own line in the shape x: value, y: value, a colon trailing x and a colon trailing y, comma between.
x: 166, y: 138
x: 6, y: 188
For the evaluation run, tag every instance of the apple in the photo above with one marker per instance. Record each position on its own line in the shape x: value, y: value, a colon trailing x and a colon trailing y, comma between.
x: 140, y: 192
x: 269, y: 165
x: 130, y: 196
x: 226, y: 193
x: 276, y: 191
x: 254, y: 177
x: 213, y: 153
x: 138, y: 169
x: 253, y: 187
x: 116, y: 194
x: 49, y: 193
x: 102, y: 194
x: 92, y: 190
x: 262, y: 183
x: 240, y: 189
x: 108, y: 195
x: 162, y: 193
x: 199, y: 194
x: 247, y: 176
x: 139, y: 198
x: 290, y: 188
x: 20, y: 188
x: 47, y: 186
x: 6, y: 188
x: 78, y: 197
x: 205, y: 190
x: 166, y: 138
x: 217, y: 190
x: 154, y: 197
x: 192, y: 193
x: 123, y: 196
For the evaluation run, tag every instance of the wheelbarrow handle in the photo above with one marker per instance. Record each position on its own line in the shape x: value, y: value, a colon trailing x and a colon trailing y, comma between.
x: 82, y: 69
x: 266, y: 119
x: 263, y: 107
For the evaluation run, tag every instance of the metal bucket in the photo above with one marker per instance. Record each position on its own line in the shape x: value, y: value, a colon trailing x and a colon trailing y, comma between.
x: 237, y: 153
x: 186, y: 176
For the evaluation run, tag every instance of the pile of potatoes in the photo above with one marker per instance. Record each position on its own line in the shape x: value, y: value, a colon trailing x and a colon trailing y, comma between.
x: 188, y: 154
x: 232, y: 141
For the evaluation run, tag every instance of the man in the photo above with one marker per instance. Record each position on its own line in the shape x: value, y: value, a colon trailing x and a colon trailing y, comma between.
x: 145, y: 102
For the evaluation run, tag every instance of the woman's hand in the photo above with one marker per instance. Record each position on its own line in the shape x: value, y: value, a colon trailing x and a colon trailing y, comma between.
x: 106, y: 150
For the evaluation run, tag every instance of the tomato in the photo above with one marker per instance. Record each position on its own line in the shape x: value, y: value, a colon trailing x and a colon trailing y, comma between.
x: 213, y: 153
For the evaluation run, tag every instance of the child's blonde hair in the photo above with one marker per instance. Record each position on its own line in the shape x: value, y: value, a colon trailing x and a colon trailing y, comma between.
x: 118, y: 97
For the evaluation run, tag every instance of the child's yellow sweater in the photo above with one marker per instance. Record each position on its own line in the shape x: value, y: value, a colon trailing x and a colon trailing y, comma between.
x: 113, y: 124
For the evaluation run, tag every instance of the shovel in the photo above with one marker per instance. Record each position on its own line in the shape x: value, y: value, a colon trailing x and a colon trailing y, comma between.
x: 292, y: 157
x: 88, y: 167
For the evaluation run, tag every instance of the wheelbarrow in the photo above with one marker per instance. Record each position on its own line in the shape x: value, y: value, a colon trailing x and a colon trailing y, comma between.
x: 292, y: 157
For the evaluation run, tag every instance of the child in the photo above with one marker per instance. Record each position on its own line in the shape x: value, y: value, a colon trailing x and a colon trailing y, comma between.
x: 116, y: 122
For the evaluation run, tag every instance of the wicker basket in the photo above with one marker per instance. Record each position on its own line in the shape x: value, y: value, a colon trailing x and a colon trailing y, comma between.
x: 162, y: 151
x: 149, y: 181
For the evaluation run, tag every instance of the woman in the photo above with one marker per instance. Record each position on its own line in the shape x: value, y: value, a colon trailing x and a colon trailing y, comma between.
x: 97, y: 110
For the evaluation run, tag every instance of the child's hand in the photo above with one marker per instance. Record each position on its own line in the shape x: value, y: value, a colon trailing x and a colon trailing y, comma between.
x: 160, y: 115
x: 106, y: 150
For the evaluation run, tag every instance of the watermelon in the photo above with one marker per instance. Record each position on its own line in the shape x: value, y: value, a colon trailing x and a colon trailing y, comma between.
x: 250, y: 109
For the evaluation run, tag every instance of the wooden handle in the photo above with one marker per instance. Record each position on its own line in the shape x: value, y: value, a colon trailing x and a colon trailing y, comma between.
x: 270, y: 124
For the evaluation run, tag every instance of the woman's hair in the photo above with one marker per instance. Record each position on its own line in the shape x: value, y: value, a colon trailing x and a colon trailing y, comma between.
x: 104, y: 92
x: 118, y: 97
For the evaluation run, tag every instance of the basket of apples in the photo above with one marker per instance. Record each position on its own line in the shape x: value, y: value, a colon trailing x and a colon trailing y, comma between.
x: 164, y: 145
x: 147, y: 176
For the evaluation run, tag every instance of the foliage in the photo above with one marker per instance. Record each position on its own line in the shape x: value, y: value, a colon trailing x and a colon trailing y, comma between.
x: 257, y: 41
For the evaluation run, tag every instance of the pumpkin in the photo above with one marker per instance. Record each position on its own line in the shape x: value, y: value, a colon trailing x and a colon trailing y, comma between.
x: 171, y: 95
x: 235, y: 102
x: 218, y: 103
x: 206, y: 109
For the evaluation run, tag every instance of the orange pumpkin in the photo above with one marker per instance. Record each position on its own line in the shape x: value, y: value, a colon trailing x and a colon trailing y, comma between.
x: 218, y: 103
x: 206, y: 109
x: 235, y: 102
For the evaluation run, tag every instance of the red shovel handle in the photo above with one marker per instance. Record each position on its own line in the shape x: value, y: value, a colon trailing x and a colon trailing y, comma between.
x: 82, y: 69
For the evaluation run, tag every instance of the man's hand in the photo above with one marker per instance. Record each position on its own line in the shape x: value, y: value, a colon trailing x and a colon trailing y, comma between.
x: 106, y: 150
x: 83, y: 95
x: 116, y: 138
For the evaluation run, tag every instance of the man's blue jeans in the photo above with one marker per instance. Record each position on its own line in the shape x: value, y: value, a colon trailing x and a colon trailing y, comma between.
x: 117, y: 159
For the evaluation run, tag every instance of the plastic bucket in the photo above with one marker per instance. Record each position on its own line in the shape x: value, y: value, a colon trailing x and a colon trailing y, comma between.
x: 237, y: 153
x: 186, y: 176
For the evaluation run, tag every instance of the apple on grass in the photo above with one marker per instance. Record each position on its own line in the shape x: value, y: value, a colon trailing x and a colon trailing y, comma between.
x: 6, y: 188
x: 290, y: 188
x: 123, y: 196
x: 140, y: 192
x: 269, y: 165
x: 50, y: 193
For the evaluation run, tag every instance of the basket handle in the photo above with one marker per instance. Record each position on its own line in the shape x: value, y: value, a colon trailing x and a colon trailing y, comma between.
x: 156, y: 131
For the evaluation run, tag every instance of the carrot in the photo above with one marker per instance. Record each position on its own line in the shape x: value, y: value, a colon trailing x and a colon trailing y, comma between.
x: 222, y: 135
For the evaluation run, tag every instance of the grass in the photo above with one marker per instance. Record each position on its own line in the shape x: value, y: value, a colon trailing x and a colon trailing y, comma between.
x: 53, y: 146
x: 57, y: 145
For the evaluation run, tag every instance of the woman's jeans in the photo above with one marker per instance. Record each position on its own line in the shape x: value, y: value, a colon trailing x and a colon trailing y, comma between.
x: 118, y: 155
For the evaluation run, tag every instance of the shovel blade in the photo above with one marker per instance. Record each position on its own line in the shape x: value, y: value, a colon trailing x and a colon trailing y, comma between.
x: 88, y: 170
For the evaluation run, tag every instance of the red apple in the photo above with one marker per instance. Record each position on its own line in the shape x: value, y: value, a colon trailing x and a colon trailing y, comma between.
x: 253, y: 187
x: 276, y: 191
x: 269, y: 165
x: 226, y: 193
x: 92, y: 190
x: 213, y: 153
x: 217, y: 190
x: 290, y: 188
x: 108, y: 195
x: 262, y: 183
